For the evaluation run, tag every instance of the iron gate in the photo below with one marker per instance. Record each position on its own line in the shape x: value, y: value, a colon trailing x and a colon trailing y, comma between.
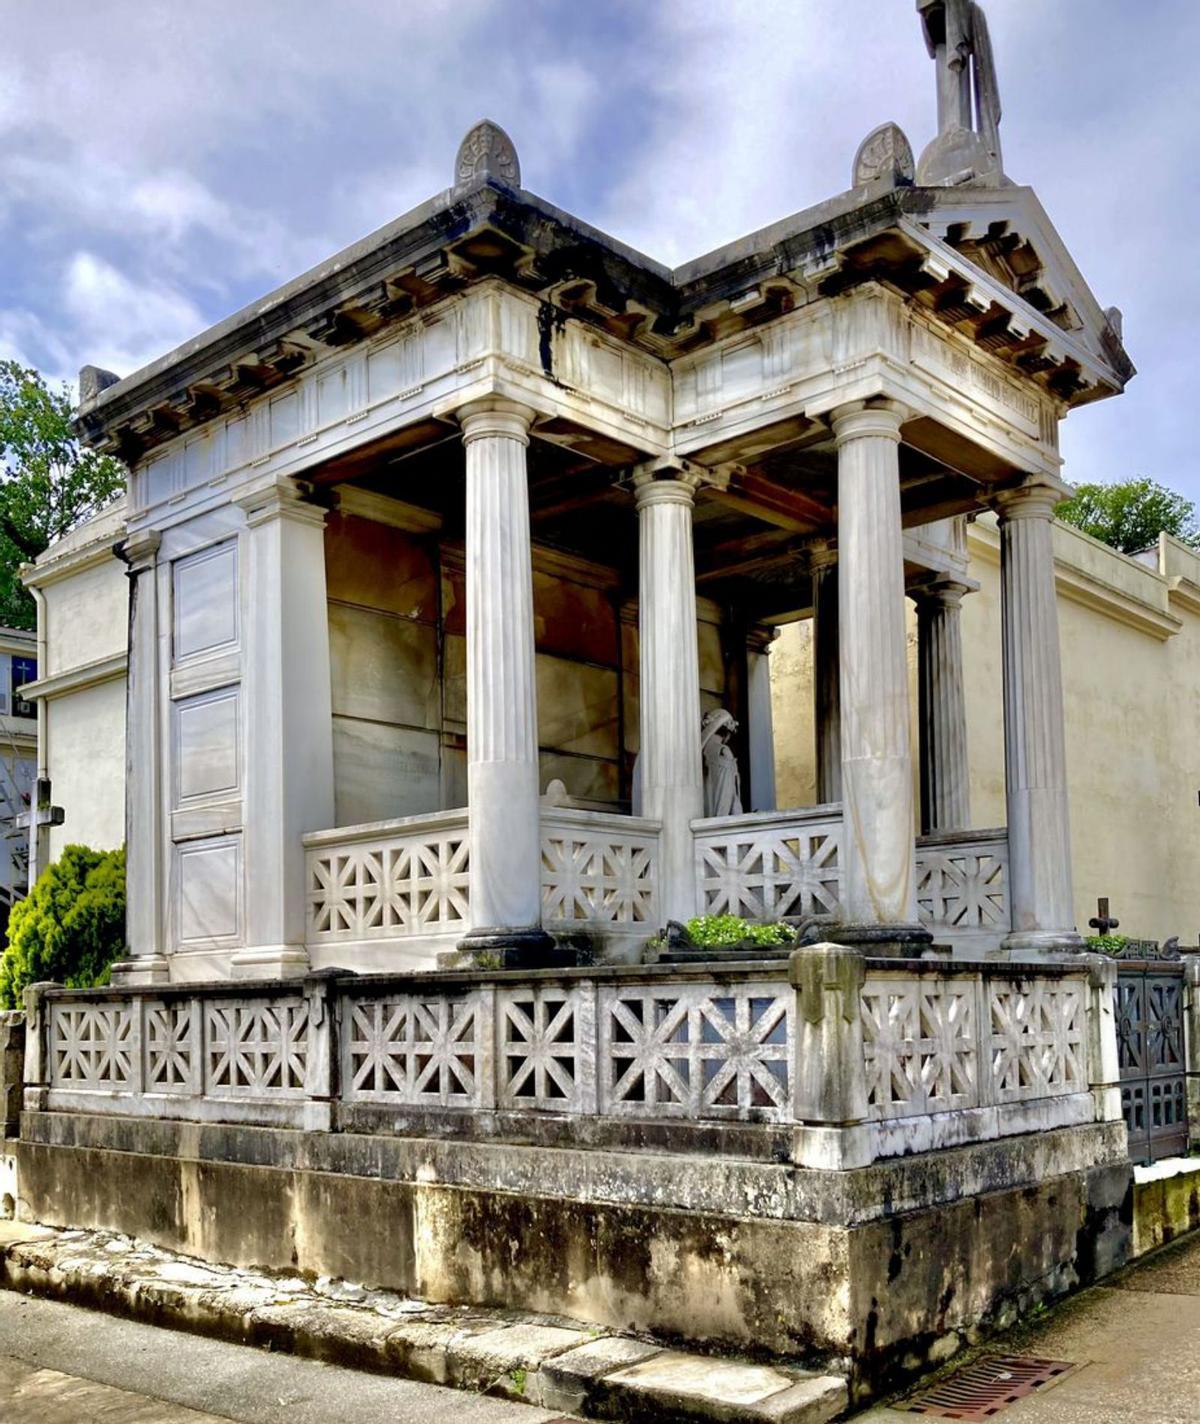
x: 1150, y: 1045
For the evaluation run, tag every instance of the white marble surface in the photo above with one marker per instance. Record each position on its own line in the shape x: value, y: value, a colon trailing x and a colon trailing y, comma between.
x: 879, y: 875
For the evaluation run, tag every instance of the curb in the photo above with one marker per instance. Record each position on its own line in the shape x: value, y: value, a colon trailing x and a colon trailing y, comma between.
x: 556, y: 1364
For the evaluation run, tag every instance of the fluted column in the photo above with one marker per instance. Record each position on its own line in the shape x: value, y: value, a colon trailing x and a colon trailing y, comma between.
x: 502, y: 739
x: 827, y: 678
x: 760, y: 730
x: 942, y: 733
x: 144, y: 840
x: 669, y: 700
x: 878, y: 850
x: 1035, y: 758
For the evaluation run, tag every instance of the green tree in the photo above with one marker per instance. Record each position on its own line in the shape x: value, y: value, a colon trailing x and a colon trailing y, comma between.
x: 48, y: 482
x: 71, y: 926
x: 1131, y: 514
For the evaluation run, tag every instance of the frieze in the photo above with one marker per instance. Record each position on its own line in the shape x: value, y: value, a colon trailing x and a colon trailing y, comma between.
x: 389, y: 380
x: 972, y: 376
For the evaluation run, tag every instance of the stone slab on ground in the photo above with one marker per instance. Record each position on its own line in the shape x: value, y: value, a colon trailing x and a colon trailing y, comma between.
x: 545, y: 1361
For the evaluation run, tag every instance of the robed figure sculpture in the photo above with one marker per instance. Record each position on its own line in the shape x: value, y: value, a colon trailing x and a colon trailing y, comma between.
x: 956, y: 34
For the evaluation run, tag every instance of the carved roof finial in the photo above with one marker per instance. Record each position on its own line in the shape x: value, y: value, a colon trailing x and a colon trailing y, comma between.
x: 487, y: 152
x: 93, y: 380
x: 885, y: 153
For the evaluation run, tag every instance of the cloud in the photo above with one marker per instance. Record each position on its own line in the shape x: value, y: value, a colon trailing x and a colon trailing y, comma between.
x: 160, y: 166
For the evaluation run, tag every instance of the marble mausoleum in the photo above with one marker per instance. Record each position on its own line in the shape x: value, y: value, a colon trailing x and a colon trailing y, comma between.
x: 439, y: 559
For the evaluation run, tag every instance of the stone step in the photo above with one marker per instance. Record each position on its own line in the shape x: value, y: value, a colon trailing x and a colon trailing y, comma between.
x: 555, y: 1363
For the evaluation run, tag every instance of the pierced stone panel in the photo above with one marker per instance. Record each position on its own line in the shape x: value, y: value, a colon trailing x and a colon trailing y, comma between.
x: 599, y: 876
x: 964, y: 887
x: 256, y: 1049
x: 170, y: 1047
x: 768, y: 871
x: 415, y: 1049
x: 91, y: 1047
x: 1037, y: 1039
x: 545, y: 1049
x: 920, y: 1046
x: 404, y: 885
x: 696, y: 1050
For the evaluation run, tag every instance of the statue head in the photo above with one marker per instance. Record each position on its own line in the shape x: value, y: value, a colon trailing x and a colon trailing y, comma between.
x: 718, y: 725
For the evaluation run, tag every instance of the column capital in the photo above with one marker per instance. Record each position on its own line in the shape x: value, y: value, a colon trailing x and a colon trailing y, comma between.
x: 941, y: 592
x: 278, y: 497
x: 139, y: 550
x: 671, y: 481
x: 495, y: 416
x: 760, y: 637
x: 1029, y: 501
x: 856, y: 419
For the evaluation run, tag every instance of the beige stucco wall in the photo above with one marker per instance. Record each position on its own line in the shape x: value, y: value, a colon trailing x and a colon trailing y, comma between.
x: 1130, y: 638
x: 85, y: 613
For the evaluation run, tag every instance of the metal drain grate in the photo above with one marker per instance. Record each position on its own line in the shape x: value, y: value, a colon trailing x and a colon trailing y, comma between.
x: 985, y: 1388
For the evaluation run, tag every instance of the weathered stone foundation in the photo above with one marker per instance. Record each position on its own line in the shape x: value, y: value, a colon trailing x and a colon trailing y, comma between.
x: 884, y: 1269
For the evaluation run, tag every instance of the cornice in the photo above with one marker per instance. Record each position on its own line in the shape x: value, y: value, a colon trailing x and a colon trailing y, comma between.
x: 77, y: 679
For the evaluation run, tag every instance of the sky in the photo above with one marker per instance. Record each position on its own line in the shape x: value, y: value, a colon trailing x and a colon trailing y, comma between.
x: 164, y: 162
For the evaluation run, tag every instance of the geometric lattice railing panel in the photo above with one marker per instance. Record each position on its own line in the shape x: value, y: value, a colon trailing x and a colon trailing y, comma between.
x: 767, y: 867
x: 962, y: 882
x: 91, y: 1046
x: 1037, y: 1039
x: 921, y: 1046
x: 414, y: 1049
x: 256, y: 1048
x: 394, y: 885
x: 703, y: 1050
x: 599, y: 869
x: 545, y: 1049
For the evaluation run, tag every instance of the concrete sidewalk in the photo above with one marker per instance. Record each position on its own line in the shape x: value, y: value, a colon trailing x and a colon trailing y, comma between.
x: 1136, y: 1340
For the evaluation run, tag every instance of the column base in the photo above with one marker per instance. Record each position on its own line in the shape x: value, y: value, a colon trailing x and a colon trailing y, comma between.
x: 145, y: 969
x: 901, y: 941
x: 269, y: 961
x: 1042, y: 944
x: 530, y: 948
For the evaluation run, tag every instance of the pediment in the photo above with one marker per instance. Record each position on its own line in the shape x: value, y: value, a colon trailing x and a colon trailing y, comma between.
x: 1007, y: 234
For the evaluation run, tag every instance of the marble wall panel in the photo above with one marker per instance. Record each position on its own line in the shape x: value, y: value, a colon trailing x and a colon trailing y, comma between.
x: 712, y: 657
x: 376, y: 566
x: 454, y: 674
x: 454, y: 599
x: 586, y: 778
x: 206, y: 745
x: 577, y: 707
x: 208, y: 880
x: 205, y: 599
x: 384, y: 668
x: 574, y: 621
x: 381, y: 771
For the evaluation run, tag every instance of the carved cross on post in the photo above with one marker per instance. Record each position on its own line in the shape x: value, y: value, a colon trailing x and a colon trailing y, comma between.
x: 1102, y: 922
x: 37, y: 821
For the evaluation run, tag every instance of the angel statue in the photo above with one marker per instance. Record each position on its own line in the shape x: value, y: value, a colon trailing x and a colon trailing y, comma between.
x: 722, y: 780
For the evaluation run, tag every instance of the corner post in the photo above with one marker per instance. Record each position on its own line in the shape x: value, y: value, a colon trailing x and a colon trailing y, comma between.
x: 37, y: 1046
x: 1104, y: 1064
x: 1191, y: 1031
x: 289, y: 724
x: 323, y: 1065
x: 829, y: 1071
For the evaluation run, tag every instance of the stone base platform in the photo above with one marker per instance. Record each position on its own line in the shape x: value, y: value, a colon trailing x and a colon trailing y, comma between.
x: 538, y: 1360
x: 874, y: 1273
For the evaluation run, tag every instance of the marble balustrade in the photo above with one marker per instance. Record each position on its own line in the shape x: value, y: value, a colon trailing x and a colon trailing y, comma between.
x: 853, y: 1059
